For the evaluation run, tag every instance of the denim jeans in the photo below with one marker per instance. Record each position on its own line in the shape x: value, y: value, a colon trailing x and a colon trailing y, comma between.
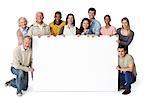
x: 126, y: 79
x: 21, y: 80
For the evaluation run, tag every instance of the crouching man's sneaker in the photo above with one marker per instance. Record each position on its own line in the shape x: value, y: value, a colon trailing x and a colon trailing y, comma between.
x: 19, y: 94
x: 126, y: 92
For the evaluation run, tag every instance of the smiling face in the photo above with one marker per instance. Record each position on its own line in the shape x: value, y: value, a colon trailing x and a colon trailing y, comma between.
x: 39, y: 17
x: 22, y: 22
x: 91, y: 14
x: 125, y: 24
x: 27, y: 42
x: 70, y: 19
x: 57, y: 17
x: 107, y: 20
x: 85, y: 24
x: 121, y: 52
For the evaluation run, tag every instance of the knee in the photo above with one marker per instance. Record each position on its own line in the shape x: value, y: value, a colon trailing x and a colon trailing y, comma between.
x: 127, y: 73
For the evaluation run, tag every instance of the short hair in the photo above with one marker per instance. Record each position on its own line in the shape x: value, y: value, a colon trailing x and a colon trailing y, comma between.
x: 40, y: 13
x: 108, y: 17
x: 23, y: 19
x: 58, y: 12
x: 29, y: 37
x: 92, y: 9
x: 124, y: 47
x: 73, y: 19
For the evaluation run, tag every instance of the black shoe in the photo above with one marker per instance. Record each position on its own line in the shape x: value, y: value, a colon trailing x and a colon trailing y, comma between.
x: 7, y: 83
x: 121, y: 87
x: 126, y: 92
x: 24, y: 89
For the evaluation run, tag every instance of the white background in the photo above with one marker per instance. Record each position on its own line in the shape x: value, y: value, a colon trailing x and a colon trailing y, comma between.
x: 135, y: 10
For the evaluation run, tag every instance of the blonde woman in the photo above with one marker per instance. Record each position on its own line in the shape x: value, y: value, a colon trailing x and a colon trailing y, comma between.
x: 125, y: 33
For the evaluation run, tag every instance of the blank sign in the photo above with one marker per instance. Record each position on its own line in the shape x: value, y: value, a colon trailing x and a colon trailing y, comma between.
x: 74, y: 63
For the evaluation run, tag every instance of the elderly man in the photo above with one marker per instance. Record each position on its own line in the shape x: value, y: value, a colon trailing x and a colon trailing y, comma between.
x: 127, y: 70
x: 22, y: 64
x: 39, y: 28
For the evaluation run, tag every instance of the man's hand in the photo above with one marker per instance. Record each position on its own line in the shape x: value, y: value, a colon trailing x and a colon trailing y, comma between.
x: 118, y: 68
x: 49, y: 36
x: 118, y: 41
x: 31, y: 69
x: 39, y: 35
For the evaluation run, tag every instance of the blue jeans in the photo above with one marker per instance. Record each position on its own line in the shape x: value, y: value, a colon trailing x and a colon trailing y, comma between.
x: 126, y: 79
x: 21, y: 80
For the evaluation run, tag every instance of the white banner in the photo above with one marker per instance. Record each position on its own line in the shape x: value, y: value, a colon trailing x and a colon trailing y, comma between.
x: 74, y: 63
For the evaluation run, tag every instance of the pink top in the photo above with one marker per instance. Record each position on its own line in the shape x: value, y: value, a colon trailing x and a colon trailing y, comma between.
x: 108, y: 31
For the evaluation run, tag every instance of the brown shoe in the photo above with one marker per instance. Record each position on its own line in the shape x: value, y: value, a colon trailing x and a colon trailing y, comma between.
x: 126, y: 92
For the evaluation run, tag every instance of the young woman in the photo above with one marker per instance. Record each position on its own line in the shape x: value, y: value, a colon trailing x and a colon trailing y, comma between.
x: 69, y: 28
x: 125, y: 33
x: 108, y: 29
x: 84, y: 27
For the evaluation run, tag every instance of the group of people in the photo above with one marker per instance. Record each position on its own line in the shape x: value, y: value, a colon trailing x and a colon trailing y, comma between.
x: 22, y: 55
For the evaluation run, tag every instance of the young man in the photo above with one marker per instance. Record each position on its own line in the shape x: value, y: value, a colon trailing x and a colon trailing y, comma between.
x: 22, y: 64
x: 94, y: 25
x: 127, y: 70
x: 39, y: 28
x: 57, y: 24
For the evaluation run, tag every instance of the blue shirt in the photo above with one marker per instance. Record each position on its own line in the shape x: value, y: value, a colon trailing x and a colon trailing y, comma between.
x: 95, y: 27
x: 24, y: 31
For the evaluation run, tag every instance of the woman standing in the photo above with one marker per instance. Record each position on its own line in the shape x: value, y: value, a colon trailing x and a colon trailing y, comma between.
x: 23, y: 29
x: 125, y: 33
x: 84, y: 27
x: 108, y: 29
x: 69, y: 28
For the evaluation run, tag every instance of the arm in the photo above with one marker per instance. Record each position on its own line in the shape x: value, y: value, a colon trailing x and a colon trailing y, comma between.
x: 17, y: 62
x: 47, y: 32
x: 20, y: 37
x: 129, y: 68
x: 30, y: 32
x: 97, y: 29
x: 61, y: 31
x: 129, y: 40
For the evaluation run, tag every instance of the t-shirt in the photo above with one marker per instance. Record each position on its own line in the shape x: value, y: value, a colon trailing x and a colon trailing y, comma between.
x: 125, y: 61
x: 125, y: 40
x: 108, y: 31
x: 55, y: 29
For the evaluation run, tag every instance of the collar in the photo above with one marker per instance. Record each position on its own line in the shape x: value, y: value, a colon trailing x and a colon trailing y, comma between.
x: 42, y: 25
x: 67, y: 26
x: 21, y: 29
x: 22, y: 48
x: 60, y: 21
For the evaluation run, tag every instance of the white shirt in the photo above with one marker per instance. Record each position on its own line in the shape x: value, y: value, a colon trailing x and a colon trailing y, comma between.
x: 69, y: 30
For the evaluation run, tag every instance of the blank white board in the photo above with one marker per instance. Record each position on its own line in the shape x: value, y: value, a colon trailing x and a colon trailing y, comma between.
x: 74, y: 63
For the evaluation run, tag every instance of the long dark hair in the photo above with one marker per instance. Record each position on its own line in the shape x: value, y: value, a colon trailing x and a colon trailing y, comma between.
x: 81, y: 27
x: 73, y: 19
x: 108, y: 17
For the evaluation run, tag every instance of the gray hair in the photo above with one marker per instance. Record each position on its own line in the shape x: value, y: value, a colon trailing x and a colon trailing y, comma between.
x: 23, y: 19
